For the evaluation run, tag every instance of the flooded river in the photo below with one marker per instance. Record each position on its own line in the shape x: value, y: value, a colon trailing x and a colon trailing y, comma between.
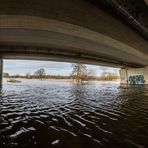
x: 47, y: 114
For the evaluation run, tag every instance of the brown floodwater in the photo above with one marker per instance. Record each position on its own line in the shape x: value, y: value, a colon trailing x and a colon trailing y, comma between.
x: 44, y: 114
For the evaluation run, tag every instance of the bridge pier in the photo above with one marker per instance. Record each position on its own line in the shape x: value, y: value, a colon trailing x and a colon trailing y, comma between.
x: 1, y: 73
x: 134, y: 75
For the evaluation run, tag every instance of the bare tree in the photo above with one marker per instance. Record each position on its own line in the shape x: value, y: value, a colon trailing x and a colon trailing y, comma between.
x: 28, y: 75
x: 108, y: 76
x: 40, y: 73
x: 79, y: 73
x: 104, y: 73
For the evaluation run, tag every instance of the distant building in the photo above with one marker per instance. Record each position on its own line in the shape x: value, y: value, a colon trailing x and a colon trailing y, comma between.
x: 5, y: 75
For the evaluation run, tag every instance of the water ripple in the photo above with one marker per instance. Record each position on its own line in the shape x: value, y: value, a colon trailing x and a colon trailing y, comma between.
x: 62, y: 115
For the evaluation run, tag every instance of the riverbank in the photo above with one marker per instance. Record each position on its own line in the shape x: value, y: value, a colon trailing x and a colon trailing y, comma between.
x: 58, y: 80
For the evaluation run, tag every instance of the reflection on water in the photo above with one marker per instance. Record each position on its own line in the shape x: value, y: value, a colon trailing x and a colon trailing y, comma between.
x: 61, y: 115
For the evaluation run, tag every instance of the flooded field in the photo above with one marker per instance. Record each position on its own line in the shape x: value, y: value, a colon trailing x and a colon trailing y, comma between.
x: 48, y: 114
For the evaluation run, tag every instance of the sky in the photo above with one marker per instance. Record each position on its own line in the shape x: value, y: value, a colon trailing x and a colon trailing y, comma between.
x: 21, y: 67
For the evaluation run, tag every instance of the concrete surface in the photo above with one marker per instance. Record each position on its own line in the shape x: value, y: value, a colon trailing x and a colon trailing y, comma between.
x: 126, y: 73
x: 68, y: 30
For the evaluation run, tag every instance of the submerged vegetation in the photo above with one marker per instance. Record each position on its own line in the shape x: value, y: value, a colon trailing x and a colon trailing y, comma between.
x: 13, y: 81
x: 79, y: 73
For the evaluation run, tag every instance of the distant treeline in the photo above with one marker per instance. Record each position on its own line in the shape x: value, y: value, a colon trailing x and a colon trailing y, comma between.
x: 104, y: 78
x: 43, y: 77
x: 79, y: 74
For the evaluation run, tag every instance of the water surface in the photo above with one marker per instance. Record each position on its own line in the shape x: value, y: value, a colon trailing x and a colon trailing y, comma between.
x: 45, y: 114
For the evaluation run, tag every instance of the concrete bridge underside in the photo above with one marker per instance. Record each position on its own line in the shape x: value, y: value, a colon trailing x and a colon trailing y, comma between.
x: 102, y: 32
x: 86, y: 31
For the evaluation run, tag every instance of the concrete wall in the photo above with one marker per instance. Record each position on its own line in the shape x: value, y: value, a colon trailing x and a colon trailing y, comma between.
x: 125, y: 73
x: 123, y: 76
x: 1, y: 73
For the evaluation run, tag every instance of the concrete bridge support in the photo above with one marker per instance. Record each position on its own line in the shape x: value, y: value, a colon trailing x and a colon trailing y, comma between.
x: 134, y: 75
x: 1, y: 72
